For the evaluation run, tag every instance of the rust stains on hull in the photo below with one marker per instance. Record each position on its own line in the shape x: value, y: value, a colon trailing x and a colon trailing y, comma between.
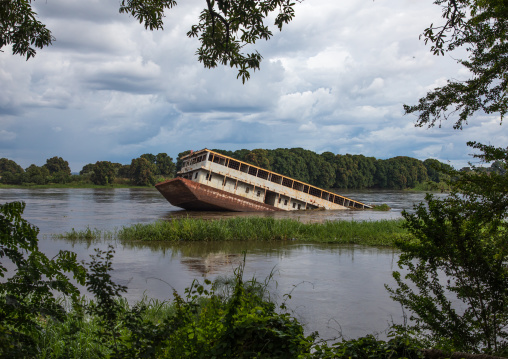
x: 184, y: 193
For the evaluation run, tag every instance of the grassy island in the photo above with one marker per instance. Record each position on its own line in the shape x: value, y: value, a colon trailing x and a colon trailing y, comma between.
x: 376, y: 233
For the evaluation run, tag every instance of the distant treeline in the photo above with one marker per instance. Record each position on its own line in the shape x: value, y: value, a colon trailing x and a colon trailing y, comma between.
x: 328, y: 170
x: 325, y: 170
x: 145, y: 170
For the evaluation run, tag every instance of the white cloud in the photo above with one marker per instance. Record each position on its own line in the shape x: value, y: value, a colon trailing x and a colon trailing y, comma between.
x: 334, y: 79
x: 307, y: 127
x: 7, y: 136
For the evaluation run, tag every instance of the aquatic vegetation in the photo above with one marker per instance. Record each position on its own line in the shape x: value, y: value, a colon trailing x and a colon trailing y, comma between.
x: 87, y: 234
x: 229, y: 318
x: 381, y: 232
x: 381, y: 207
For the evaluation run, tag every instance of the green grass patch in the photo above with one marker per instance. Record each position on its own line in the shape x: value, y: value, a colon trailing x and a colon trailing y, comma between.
x: 77, y: 336
x: 381, y: 233
x: 431, y: 187
x: 87, y: 234
x: 382, y: 207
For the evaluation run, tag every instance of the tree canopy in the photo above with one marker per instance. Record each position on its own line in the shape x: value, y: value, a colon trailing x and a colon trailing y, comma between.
x: 57, y: 164
x: 103, y: 173
x: 456, y: 281
x: 480, y: 27
x: 224, y: 28
x: 142, y: 172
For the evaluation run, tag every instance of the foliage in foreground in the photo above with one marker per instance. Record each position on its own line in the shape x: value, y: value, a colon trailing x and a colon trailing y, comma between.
x: 29, y: 294
x: 480, y: 26
x: 230, y: 318
x: 399, y: 346
x: 457, y: 262
x: 225, y: 319
x: 266, y: 229
x: 224, y: 29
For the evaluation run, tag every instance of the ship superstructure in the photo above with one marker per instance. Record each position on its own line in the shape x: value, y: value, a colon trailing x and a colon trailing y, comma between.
x: 211, y: 181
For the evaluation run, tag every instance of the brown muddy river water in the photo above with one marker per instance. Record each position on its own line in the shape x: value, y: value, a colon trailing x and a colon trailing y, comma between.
x: 335, y: 289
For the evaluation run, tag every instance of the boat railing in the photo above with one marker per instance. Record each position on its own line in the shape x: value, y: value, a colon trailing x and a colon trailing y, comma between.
x: 282, y: 180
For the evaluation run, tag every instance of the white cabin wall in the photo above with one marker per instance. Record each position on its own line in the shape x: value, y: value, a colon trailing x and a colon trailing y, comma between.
x: 216, y: 181
x: 230, y: 185
x: 201, y: 177
x: 244, y: 189
x: 218, y: 171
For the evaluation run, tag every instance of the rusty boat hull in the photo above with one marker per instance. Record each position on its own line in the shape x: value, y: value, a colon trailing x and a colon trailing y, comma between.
x: 194, y: 196
x: 210, y: 181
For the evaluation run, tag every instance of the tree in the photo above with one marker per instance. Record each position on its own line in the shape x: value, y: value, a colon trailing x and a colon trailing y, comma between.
x: 57, y: 164
x: 456, y: 262
x: 437, y: 171
x: 463, y: 237
x: 179, y: 161
x: 19, y: 27
x: 354, y: 171
x: 258, y: 157
x: 497, y: 167
x: 104, y: 173
x: 142, y: 172
x: 225, y: 27
x: 149, y: 157
x: 87, y: 169
x: 404, y: 172
x: 480, y: 26
x: 165, y: 165
x: 319, y: 173
x: 289, y: 163
x: 59, y: 169
x: 28, y: 294
x: 124, y: 171
x: 7, y: 165
x: 36, y: 174
x: 10, y: 171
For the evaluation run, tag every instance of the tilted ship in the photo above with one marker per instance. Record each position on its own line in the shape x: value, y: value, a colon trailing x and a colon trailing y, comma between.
x: 210, y: 181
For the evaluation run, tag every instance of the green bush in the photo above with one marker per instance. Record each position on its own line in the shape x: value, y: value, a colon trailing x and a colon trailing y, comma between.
x: 29, y: 294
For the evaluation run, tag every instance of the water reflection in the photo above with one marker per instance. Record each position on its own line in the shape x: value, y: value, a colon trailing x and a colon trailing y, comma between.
x: 60, y: 210
x: 335, y: 288
x: 103, y: 195
x: 397, y: 200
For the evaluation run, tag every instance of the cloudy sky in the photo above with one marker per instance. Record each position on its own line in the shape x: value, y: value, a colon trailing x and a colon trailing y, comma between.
x: 334, y: 79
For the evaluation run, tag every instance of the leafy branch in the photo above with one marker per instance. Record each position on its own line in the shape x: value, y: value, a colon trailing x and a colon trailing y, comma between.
x: 225, y: 27
x: 481, y: 27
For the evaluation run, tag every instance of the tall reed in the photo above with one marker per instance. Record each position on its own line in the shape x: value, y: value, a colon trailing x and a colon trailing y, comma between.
x: 87, y: 235
x: 381, y: 232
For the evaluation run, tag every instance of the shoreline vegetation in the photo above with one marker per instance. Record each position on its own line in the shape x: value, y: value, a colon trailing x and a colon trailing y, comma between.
x: 371, y: 233
x: 73, y: 185
x: 326, y: 170
x: 420, y: 187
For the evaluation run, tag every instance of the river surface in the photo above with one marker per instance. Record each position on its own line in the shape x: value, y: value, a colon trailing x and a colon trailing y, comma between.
x: 335, y: 289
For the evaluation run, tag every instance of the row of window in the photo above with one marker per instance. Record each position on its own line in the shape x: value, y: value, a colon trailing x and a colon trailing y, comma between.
x: 313, y: 191
x: 247, y: 190
x: 294, y: 203
x: 193, y: 160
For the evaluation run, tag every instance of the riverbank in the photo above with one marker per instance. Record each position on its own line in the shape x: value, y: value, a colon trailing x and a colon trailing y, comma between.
x: 69, y: 185
x: 420, y: 187
x: 372, y: 233
x: 228, y: 318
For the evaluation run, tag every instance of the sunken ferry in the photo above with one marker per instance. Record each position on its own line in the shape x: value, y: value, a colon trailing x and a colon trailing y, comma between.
x: 210, y: 181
